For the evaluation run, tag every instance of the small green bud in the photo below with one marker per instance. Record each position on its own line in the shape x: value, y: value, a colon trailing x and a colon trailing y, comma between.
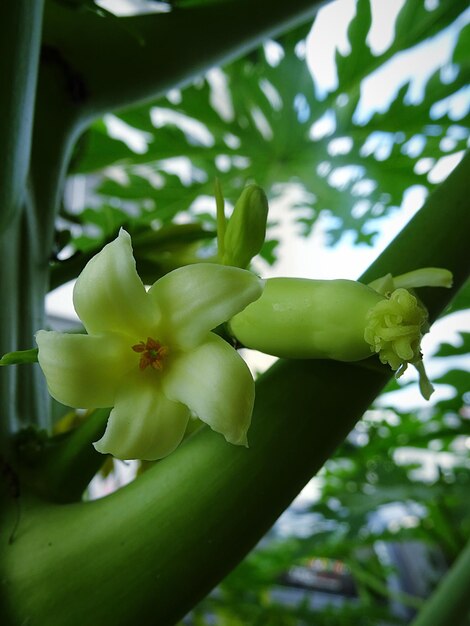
x: 246, y: 228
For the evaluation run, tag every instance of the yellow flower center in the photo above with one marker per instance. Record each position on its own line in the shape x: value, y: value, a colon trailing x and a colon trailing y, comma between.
x: 153, y: 353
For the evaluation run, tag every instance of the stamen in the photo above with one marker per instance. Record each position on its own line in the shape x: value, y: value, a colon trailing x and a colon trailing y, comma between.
x: 153, y: 353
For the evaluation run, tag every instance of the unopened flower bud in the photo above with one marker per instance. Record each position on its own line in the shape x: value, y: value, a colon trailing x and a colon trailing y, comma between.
x: 246, y: 228
x: 342, y: 320
x: 299, y: 318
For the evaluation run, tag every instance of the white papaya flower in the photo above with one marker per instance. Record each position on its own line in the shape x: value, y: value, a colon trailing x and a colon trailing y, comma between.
x: 151, y: 354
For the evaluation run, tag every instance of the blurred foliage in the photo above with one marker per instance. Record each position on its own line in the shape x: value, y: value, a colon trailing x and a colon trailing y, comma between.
x: 402, y: 478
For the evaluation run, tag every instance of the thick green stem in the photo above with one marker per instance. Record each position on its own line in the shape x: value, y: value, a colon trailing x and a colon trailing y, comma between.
x: 207, y: 504
x: 56, y: 128
x: 20, y: 38
x: 24, y: 281
x: 20, y: 35
x: 450, y: 603
x: 27, y: 247
x: 130, y: 59
x: 177, y: 530
x: 32, y: 398
x: 9, y: 282
x: 24, y: 399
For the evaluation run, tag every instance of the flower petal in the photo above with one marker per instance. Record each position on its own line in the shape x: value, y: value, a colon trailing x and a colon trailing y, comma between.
x: 109, y: 295
x: 214, y: 382
x: 195, y: 299
x: 83, y: 371
x: 144, y: 424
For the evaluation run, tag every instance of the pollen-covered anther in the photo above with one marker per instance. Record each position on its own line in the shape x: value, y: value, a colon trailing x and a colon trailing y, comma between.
x: 153, y: 353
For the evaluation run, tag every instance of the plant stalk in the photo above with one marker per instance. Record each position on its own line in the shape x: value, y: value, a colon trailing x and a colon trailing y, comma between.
x: 131, y: 59
x: 20, y: 39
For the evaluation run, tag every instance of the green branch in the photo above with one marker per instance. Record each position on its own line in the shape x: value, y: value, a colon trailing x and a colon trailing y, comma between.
x: 137, y: 58
x: 165, y: 533
x: 57, y: 126
x: 205, y: 500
